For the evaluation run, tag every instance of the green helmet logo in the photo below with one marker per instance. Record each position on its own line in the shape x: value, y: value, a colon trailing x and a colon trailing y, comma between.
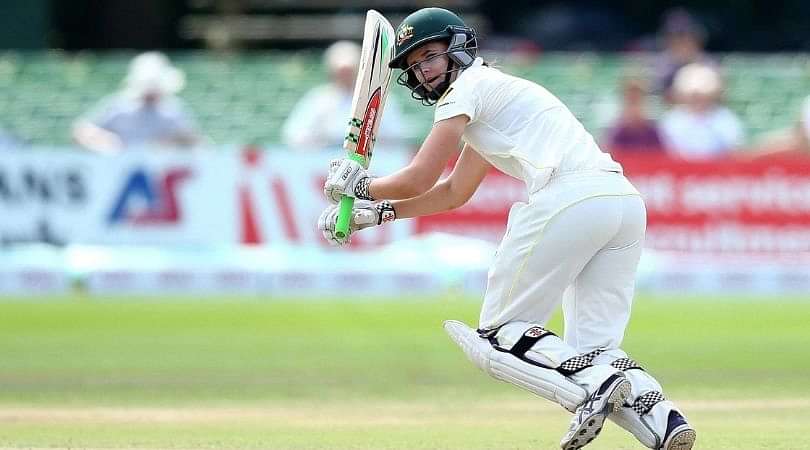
x: 404, y: 34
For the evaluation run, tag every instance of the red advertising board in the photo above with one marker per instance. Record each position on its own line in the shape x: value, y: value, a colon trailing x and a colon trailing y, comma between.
x: 723, y: 207
x: 726, y: 206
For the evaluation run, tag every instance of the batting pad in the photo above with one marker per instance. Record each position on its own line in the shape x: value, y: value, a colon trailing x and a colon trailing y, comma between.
x: 645, y: 416
x: 629, y: 419
x: 547, y: 383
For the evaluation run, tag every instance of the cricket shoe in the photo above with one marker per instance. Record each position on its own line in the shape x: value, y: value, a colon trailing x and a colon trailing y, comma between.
x: 590, y: 416
x: 680, y: 435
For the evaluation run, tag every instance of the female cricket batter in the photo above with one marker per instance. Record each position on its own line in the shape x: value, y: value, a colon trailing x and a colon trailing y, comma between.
x: 577, y: 241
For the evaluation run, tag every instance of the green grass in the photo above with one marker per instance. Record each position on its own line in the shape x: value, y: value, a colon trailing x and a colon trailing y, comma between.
x: 301, y: 374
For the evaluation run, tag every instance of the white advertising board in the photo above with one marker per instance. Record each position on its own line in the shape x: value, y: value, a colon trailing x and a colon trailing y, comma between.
x: 153, y: 198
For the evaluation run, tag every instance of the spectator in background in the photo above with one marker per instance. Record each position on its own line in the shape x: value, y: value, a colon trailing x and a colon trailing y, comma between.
x: 319, y: 119
x: 698, y: 126
x: 634, y: 130
x: 146, y: 113
x: 683, y: 43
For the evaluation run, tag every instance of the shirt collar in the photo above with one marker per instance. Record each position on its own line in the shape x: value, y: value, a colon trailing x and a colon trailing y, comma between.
x: 477, y: 62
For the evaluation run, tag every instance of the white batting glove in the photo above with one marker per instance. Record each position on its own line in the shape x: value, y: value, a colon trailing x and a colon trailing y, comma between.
x: 365, y: 214
x: 346, y: 177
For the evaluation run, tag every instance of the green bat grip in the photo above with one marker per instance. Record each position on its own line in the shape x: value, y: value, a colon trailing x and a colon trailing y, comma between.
x: 342, y: 226
x: 346, y: 205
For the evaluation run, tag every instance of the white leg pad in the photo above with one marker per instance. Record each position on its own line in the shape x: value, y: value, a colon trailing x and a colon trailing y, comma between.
x: 642, y: 381
x: 649, y: 429
x: 546, y: 383
x: 552, y: 351
x: 628, y: 419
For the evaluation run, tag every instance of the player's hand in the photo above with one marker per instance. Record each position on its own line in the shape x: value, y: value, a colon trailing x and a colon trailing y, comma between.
x: 346, y: 177
x: 364, y: 214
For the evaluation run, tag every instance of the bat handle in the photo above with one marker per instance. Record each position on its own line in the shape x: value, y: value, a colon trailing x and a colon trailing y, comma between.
x: 346, y: 205
x: 344, y: 214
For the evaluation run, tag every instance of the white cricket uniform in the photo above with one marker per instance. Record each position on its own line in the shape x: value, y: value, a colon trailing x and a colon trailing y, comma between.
x: 579, y: 236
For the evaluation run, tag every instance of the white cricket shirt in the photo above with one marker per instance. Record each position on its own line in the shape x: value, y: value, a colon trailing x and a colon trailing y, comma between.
x: 519, y: 127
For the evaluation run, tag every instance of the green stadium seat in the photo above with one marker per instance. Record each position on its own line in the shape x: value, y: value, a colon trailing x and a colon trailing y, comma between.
x: 246, y: 97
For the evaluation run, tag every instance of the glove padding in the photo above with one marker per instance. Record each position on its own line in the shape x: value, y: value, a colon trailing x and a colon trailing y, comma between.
x: 346, y: 177
x: 364, y: 214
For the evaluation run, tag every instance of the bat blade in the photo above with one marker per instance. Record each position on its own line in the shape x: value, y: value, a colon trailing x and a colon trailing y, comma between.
x: 368, y: 101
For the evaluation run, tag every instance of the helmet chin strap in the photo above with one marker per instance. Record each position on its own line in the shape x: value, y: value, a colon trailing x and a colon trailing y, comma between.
x: 440, y: 88
x: 437, y: 92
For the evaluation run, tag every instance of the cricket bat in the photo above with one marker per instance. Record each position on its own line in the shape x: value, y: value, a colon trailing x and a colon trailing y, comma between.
x: 370, y: 92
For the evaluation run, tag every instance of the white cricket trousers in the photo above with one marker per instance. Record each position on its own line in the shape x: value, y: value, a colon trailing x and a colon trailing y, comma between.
x: 576, y: 242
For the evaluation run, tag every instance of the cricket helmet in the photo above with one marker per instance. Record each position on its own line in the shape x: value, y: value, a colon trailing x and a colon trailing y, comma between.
x: 428, y: 25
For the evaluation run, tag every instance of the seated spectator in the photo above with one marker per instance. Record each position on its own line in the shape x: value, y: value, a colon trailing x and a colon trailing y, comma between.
x: 698, y: 126
x: 146, y: 113
x: 320, y: 118
x: 684, y: 39
x: 634, y: 130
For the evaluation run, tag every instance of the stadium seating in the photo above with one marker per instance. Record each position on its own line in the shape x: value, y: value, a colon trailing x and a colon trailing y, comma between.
x: 244, y: 98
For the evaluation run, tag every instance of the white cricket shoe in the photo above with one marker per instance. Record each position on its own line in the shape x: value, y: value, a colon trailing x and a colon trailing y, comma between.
x: 679, y: 435
x: 590, y: 415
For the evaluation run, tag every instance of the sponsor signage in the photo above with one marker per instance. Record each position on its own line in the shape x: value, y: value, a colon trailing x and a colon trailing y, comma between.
x: 720, y: 207
x: 273, y: 198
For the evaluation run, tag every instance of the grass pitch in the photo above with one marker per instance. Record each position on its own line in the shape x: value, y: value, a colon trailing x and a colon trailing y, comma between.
x: 312, y: 374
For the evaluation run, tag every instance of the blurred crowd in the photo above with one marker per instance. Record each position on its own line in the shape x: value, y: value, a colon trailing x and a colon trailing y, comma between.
x: 319, y: 119
x: 147, y: 111
x: 694, y: 123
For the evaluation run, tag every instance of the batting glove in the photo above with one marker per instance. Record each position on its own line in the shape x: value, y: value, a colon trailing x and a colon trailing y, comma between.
x: 346, y: 177
x: 365, y: 214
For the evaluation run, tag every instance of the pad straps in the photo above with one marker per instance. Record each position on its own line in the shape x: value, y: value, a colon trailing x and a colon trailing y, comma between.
x: 626, y: 364
x: 646, y: 401
x: 531, y: 337
x: 577, y: 363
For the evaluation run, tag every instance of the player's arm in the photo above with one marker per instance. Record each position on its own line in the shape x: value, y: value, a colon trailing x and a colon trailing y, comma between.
x: 450, y: 193
x: 427, y: 165
x: 349, y: 178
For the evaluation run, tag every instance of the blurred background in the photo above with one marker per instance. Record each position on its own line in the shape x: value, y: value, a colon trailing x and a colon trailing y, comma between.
x: 179, y: 146
x: 163, y: 284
